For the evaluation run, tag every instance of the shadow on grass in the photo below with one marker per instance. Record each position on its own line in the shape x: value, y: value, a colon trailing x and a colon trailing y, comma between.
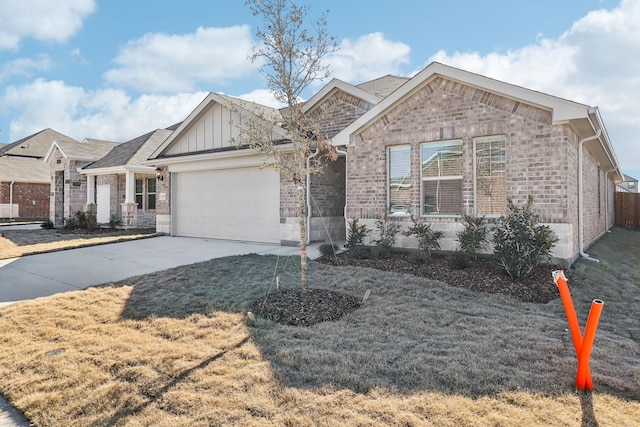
x: 157, y: 395
x: 413, y: 334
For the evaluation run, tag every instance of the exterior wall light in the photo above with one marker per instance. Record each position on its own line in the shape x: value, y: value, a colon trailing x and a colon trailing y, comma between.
x: 159, y: 175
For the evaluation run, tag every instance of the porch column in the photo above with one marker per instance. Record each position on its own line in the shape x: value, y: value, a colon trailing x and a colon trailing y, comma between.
x: 91, y: 187
x: 130, y: 188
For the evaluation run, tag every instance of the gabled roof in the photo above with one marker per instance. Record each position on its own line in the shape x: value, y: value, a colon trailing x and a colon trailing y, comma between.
x: 244, y: 107
x: 90, y: 150
x: 131, y: 153
x: 383, y: 86
x: 334, y: 85
x: 24, y: 169
x: 585, y: 120
x: 36, y: 145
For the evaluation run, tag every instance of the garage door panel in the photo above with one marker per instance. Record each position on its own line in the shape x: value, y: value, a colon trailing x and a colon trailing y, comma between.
x: 238, y: 204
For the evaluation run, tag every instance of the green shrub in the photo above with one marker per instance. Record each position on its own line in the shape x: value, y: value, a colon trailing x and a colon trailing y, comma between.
x: 387, y: 232
x: 327, y: 249
x: 359, y: 252
x: 520, y: 244
x: 427, y: 238
x: 356, y: 234
x: 474, y: 235
x: 114, y: 221
x: 82, y: 220
x: 71, y: 223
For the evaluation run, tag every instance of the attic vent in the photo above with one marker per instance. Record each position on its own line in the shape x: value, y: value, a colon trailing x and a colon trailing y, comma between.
x: 59, y: 161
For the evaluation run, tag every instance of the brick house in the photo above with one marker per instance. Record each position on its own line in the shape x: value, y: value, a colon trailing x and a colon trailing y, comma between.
x: 449, y: 142
x: 24, y: 177
x: 214, y: 189
x: 68, y: 186
x: 441, y: 144
x: 119, y: 185
x: 24, y: 188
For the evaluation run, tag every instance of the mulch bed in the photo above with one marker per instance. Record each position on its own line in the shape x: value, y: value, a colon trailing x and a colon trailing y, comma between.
x: 293, y: 307
x: 481, y: 274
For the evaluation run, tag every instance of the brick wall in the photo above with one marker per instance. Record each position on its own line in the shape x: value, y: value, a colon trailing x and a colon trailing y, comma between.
x: 541, y: 159
x: 32, y: 199
x: 338, y: 111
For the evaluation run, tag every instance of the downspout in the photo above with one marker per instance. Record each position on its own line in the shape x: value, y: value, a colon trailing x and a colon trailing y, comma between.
x: 11, y: 200
x: 346, y: 189
x: 606, y: 200
x: 309, y: 194
x: 580, y: 197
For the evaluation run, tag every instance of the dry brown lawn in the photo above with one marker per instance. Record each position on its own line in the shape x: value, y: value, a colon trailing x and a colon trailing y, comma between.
x: 176, y: 348
x: 17, y: 243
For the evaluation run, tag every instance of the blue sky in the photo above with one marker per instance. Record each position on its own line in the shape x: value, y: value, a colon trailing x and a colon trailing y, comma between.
x: 119, y: 68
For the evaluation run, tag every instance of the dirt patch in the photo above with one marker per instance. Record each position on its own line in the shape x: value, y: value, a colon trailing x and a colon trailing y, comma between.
x: 303, y: 308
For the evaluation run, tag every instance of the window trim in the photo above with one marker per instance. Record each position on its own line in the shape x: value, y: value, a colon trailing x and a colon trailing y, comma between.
x: 144, y: 194
x: 149, y: 193
x: 441, y: 178
x: 487, y: 138
x: 409, y: 176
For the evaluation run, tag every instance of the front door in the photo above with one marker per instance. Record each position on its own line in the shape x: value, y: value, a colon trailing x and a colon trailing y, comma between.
x: 103, y: 201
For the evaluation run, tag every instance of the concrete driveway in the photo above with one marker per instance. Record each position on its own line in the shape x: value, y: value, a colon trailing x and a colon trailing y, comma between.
x: 47, y: 274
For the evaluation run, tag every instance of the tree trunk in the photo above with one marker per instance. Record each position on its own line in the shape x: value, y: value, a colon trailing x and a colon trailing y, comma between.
x: 302, y: 224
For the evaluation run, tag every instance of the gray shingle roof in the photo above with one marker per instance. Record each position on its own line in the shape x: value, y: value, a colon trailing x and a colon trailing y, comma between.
x: 132, y: 152
x: 383, y: 86
x: 24, y: 169
x: 36, y: 145
x: 92, y: 149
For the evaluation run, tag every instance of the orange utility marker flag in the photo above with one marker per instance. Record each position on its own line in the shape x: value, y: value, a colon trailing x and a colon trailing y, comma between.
x: 583, y: 345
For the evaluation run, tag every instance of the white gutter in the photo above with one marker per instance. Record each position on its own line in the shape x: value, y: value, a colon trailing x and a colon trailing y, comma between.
x: 11, y: 200
x: 309, y: 195
x: 346, y: 186
x: 580, y: 197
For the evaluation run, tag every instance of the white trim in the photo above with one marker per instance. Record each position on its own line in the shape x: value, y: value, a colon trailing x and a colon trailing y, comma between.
x: 562, y: 110
x: 336, y: 84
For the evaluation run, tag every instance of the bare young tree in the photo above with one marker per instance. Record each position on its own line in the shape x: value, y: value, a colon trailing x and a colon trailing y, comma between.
x: 290, y: 59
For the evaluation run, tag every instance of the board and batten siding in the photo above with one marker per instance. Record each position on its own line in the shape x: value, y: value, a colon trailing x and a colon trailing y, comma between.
x: 214, y: 130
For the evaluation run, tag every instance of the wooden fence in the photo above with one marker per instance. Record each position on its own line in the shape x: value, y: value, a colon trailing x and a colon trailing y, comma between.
x: 627, y: 208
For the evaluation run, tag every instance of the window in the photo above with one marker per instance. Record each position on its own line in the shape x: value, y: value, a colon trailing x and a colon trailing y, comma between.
x: 442, y: 178
x: 151, y: 193
x: 146, y: 192
x: 139, y: 193
x: 399, y: 180
x: 491, y: 181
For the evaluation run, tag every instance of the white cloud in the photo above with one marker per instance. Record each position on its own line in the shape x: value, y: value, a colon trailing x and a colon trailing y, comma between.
x: 176, y: 63
x: 41, y: 19
x: 369, y: 57
x: 596, y: 62
x: 25, y: 66
x: 103, y: 114
x: 262, y: 96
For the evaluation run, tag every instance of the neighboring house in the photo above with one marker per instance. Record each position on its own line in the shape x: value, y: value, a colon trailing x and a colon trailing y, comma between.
x: 24, y: 177
x: 24, y: 188
x: 68, y: 186
x: 628, y: 185
x: 120, y: 186
x: 219, y: 190
x: 449, y: 142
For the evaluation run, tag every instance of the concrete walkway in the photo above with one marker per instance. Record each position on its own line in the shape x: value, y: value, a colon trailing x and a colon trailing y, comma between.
x: 46, y: 274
